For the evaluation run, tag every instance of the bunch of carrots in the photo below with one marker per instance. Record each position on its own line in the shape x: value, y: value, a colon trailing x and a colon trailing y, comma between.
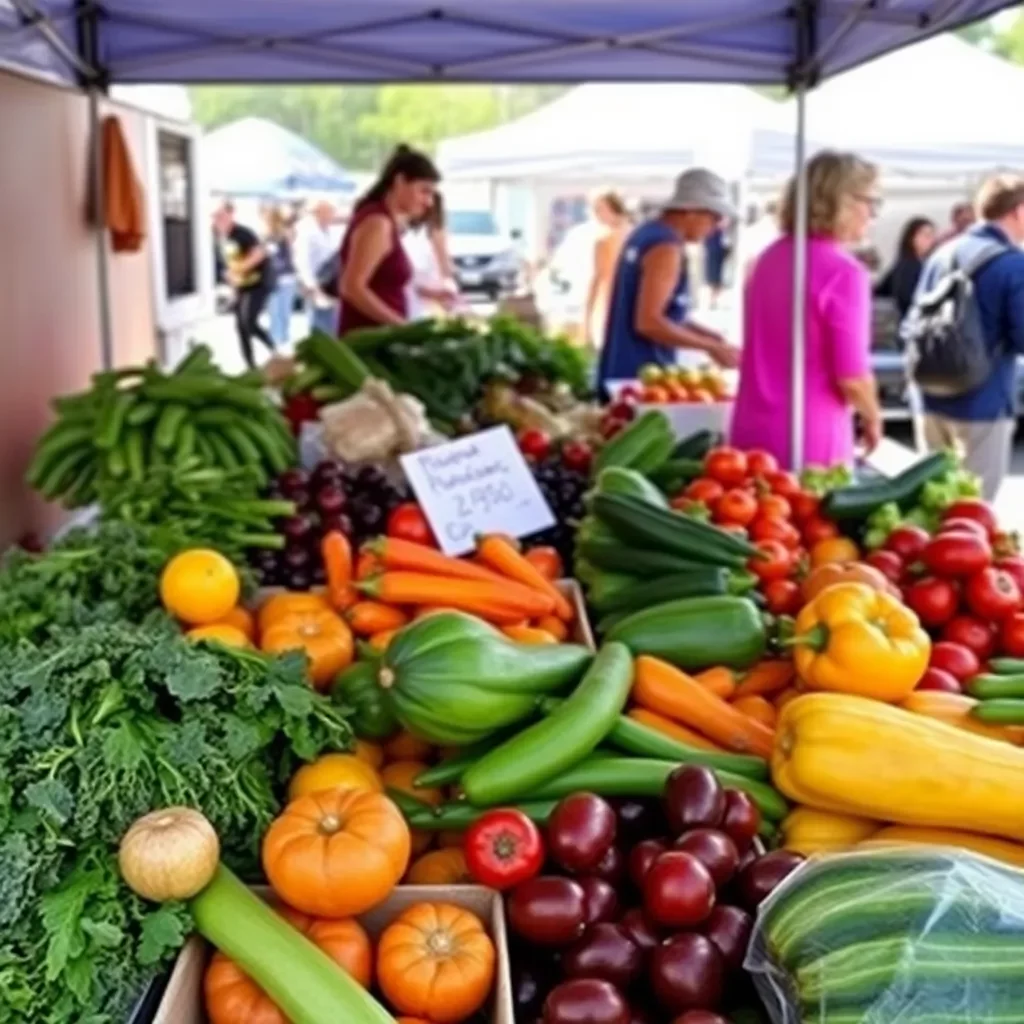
x: 394, y: 581
x: 718, y: 709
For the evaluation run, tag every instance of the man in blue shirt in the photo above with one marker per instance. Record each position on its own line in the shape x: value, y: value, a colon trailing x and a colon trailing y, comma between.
x: 980, y: 423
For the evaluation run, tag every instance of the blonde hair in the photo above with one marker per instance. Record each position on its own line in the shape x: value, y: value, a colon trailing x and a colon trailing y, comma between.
x: 999, y: 196
x: 833, y: 179
x: 612, y: 199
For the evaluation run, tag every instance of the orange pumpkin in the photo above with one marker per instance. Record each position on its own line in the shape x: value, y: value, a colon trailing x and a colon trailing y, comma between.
x: 831, y: 573
x: 321, y: 634
x: 280, y: 605
x: 440, y: 867
x: 232, y: 997
x: 400, y: 775
x: 336, y: 853
x: 437, y: 961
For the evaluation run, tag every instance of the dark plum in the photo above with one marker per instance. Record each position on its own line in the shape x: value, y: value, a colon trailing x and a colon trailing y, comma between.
x: 729, y: 929
x: 330, y: 500
x: 688, y: 973
x: 694, y: 798
x: 580, y: 830
x: 612, y: 867
x: 601, y: 902
x: 292, y: 481
x: 605, y: 951
x: 639, y: 819
x: 296, y: 528
x: 714, y: 849
x: 296, y: 558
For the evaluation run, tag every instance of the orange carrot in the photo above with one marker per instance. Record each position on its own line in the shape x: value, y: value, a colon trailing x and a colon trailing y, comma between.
x: 528, y: 635
x: 337, y: 556
x: 369, y: 617
x: 367, y: 565
x: 758, y: 709
x: 766, y: 678
x: 720, y: 681
x: 473, y: 596
x: 553, y: 625
x: 501, y: 555
x: 379, y: 641
x: 662, y: 688
x: 673, y: 729
x: 405, y: 556
x: 547, y: 562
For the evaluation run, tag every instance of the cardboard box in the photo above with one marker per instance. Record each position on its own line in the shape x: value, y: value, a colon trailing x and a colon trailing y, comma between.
x: 183, y: 999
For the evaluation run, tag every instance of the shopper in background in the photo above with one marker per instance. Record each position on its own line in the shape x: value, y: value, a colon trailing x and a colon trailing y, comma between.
x: 980, y: 423
x: 316, y: 243
x: 900, y: 281
x: 842, y: 201
x: 433, y: 290
x: 716, y: 252
x: 612, y: 218
x: 961, y: 217
x: 375, y: 270
x: 279, y: 244
x: 650, y: 297
x: 250, y: 275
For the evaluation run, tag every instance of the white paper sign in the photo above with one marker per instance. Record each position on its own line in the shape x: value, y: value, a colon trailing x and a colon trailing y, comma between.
x: 477, y: 484
x: 891, y: 458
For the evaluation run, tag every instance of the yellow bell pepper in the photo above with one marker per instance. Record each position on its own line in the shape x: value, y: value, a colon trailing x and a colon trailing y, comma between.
x: 853, y: 639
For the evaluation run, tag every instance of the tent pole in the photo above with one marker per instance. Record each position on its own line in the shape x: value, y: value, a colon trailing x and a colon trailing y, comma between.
x: 102, y: 249
x: 798, y: 397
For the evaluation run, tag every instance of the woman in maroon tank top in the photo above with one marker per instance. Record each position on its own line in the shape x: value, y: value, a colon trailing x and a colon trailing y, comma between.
x: 375, y: 271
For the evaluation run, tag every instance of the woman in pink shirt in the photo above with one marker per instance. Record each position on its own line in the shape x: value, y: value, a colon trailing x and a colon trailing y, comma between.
x: 842, y: 200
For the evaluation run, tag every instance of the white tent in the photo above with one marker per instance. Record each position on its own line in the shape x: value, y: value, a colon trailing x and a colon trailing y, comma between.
x: 614, y: 131
x: 943, y: 107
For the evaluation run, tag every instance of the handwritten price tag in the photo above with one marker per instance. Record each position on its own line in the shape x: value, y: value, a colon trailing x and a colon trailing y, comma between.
x: 477, y: 484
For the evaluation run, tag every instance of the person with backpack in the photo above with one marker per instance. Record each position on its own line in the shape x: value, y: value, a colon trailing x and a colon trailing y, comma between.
x: 965, y: 332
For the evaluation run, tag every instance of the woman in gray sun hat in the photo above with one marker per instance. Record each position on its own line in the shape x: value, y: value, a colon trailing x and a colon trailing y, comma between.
x: 650, y: 296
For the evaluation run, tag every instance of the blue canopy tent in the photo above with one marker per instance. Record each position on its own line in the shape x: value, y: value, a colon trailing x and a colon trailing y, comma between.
x: 260, y: 159
x: 790, y: 42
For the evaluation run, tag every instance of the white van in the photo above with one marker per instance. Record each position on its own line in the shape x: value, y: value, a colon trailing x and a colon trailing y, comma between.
x: 486, y: 260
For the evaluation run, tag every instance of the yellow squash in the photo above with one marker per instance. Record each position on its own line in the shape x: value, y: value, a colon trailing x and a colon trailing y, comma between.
x: 808, y: 831
x: 852, y: 639
x: 998, y: 849
x: 864, y: 758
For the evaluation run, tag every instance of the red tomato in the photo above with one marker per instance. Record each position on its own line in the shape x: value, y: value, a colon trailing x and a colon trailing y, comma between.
x: 973, y: 634
x: 805, y: 506
x: 622, y: 411
x: 776, y: 562
x: 888, y: 563
x: 775, y: 529
x: 963, y: 526
x: 774, y: 506
x: 726, y: 465
x: 934, y: 601
x: 956, y: 554
x: 976, y: 510
x: 577, y: 455
x: 992, y: 594
x: 1014, y: 565
x: 761, y: 463
x: 960, y: 662
x: 782, y: 597
x: 939, y: 679
x: 908, y: 542
x: 1011, y: 636
x: 535, y: 444
x: 704, y: 489
x: 817, y: 529
x: 736, y: 506
x: 503, y: 848
x: 407, y: 522
x: 783, y: 483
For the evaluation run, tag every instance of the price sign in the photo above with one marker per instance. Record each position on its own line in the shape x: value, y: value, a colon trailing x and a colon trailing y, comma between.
x: 477, y: 484
x: 891, y: 458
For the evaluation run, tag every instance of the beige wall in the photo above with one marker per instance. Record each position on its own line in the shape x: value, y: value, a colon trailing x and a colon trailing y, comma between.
x: 49, y: 310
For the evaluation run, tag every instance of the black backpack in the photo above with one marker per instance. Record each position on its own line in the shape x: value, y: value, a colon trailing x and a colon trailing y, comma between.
x: 947, y: 351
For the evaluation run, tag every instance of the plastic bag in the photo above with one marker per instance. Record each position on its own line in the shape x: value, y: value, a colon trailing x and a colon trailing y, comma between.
x: 374, y: 425
x: 914, y: 935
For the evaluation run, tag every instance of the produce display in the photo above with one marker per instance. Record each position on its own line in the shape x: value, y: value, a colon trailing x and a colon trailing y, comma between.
x: 661, y: 385
x: 253, y: 701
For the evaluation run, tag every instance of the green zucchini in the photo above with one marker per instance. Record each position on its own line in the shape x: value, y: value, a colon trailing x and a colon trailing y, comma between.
x: 697, y: 633
x: 606, y: 585
x: 705, y: 582
x: 697, y: 445
x: 458, y: 815
x: 620, y: 480
x: 619, y: 557
x: 608, y: 622
x: 654, y: 454
x: 676, y: 472
x: 572, y: 731
x: 987, y: 686
x: 629, y: 444
x: 860, y: 500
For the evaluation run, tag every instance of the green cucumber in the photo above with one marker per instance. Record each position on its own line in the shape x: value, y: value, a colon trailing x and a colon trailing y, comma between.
x: 999, y: 712
x: 451, y: 769
x: 185, y: 445
x: 135, y: 454
x: 653, y: 456
x: 620, y: 480
x: 188, y: 388
x: 167, y: 427
x: 624, y: 448
x: 988, y: 686
x: 108, y: 431
x: 675, y: 472
x: 1007, y: 666
x: 142, y: 413
x: 603, y: 588
x: 859, y: 501
x: 619, y: 557
x: 696, y: 633
x: 705, y: 582
x: 457, y: 816
x: 696, y: 446
x: 243, y: 445
x: 198, y: 359
x: 543, y: 750
x: 63, y: 437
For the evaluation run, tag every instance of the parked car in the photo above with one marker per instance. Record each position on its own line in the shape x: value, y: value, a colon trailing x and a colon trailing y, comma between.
x: 486, y: 260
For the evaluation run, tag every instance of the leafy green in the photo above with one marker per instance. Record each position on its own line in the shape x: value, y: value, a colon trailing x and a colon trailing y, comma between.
x: 99, y: 724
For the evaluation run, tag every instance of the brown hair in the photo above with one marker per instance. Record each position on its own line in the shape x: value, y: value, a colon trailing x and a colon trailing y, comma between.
x: 612, y: 200
x: 404, y: 162
x: 433, y: 219
x: 832, y: 179
x: 1000, y: 196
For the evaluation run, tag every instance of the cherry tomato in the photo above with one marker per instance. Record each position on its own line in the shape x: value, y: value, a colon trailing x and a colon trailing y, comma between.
x: 622, y: 411
x: 934, y: 601
x: 577, y: 455
x: 726, y: 465
x: 963, y: 526
x: 775, y: 529
x: 761, y: 463
x: 503, y: 848
x: 908, y: 542
x: 736, y: 506
x: 704, y: 489
x: 782, y: 597
x: 960, y: 662
x: 992, y: 594
x: 804, y: 505
x: 888, y: 563
x: 783, y: 483
x: 774, y: 506
x: 535, y: 444
x: 974, y: 509
x: 975, y: 635
x: 407, y: 522
x: 1014, y: 565
x: 1011, y: 635
x: 775, y: 563
x: 956, y: 554
x: 939, y: 679
x: 816, y: 529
